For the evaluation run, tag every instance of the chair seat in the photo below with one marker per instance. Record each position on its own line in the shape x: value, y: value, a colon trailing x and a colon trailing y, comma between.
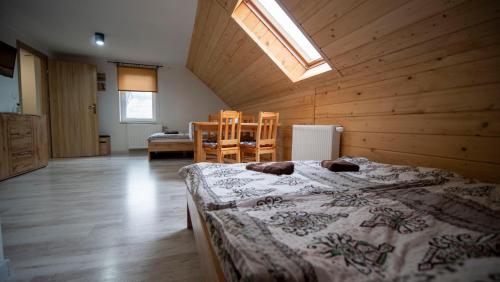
x: 253, y: 144
x: 209, y: 144
x: 213, y: 145
x: 248, y: 143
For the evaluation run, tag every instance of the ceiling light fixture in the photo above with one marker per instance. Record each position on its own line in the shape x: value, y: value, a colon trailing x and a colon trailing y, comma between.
x: 99, y: 38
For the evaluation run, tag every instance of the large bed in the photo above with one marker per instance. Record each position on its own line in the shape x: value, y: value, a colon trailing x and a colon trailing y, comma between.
x: 383, y: 223
x: 162, y: 142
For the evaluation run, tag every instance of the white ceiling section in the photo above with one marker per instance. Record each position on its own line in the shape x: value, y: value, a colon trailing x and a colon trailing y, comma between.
x: 148, y: 31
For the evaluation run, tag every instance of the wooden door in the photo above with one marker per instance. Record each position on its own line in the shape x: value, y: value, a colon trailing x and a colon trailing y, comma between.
x: 73, y: 116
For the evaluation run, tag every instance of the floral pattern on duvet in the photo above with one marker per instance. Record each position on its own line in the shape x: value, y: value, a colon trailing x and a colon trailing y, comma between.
x: 412, y: 234
x: 218, y: 186
x: 383, y: 223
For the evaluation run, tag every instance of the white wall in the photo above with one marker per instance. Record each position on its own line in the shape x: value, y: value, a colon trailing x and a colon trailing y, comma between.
x: 9, y: 92
x: 9, y: 87
x: 182, y: 98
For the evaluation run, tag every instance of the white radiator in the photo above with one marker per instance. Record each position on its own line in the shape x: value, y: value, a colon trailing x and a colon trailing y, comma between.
x: 316, y: 142
x: 138, y: 134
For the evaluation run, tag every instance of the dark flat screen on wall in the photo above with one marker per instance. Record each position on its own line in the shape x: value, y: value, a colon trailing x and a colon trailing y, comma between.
x: 7, y: 59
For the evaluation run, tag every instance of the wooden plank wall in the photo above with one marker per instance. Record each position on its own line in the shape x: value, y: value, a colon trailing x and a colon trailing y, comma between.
x: 417, y: 81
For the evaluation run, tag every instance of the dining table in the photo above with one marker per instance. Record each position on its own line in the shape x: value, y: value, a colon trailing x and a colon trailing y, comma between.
x: 206, y: 126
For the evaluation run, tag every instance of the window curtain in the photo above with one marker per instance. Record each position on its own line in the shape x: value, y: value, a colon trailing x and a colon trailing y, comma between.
x: 137, y: 79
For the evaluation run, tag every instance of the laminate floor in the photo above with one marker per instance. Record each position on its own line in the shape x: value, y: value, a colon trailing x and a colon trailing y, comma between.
x: 116, y: 218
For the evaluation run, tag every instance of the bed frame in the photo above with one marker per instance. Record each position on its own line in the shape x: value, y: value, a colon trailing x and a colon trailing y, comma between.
x: 210, y: 264
x: 173, y: 146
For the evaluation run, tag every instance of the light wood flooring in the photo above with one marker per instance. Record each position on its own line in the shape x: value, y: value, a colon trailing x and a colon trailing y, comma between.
x: 116, y: 218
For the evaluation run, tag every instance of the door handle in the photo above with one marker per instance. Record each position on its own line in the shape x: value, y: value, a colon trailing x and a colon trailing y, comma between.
x: 93, y: 108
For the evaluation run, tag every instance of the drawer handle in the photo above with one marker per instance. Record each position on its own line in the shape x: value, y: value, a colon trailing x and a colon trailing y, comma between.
x: 28, y: 133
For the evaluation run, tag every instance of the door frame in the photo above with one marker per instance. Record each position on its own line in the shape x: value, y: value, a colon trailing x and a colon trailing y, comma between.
x: 45, y: 106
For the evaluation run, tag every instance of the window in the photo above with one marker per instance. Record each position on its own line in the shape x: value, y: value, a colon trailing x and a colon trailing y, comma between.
x: 137, y: 107
x: 280, y: 38
x: 137, y: 88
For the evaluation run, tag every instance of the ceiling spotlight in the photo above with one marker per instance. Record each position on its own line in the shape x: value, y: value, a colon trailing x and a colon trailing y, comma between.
x: 99, y: 38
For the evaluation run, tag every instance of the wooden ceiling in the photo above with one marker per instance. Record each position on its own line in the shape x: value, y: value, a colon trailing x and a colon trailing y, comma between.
x: 416, y: 81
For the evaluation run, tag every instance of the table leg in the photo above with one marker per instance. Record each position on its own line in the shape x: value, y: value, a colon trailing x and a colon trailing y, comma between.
x: 198, y: 150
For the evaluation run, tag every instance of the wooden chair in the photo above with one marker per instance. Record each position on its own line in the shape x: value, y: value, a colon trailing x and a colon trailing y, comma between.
x: 248, y: 136
x: 228, y: 137
x: 213, y: 117
x: 265, y: 138
x: 248, y: 119
x: 212, y: 135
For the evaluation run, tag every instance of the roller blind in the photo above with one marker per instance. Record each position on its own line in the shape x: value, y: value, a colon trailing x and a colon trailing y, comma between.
x: 137, y: 79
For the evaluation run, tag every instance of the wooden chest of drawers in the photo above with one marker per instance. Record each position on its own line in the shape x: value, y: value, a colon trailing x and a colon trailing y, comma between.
x: 23, y: 144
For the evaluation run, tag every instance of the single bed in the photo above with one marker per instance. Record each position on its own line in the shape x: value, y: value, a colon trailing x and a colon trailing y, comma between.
x: 162, y: 142
x: 383, y: 223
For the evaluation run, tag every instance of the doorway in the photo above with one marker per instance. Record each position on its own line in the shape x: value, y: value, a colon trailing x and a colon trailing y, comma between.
x: 33, y: 83
x: 30, y: 82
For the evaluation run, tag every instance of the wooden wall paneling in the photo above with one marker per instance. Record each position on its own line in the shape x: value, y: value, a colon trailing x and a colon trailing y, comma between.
x: 345, y: 17
x: 248, y: 52
x: 469, y: 14
x: 484, y: 123
x: 303, y: 10
x: 256, y: 79
x: 215, y: 15
x: 229, y: 51
x: 220, y: 49
x: 478, y: 98
x: 273, y: 84
x: 475, y: 73
x: 261, y: 65
x: 220, y: 27
x: 198, y: 30
x: 463, y: 64
x: 228, y: 5
x: 438, y: 49
x: 470, y: 148
x: 483, y: 170
x: 411, y: 12
x: 420, y: 83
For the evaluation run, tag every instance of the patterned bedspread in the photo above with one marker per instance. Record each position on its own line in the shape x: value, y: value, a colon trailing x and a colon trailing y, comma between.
x: 402, y: 234
x: 384, y: 223
x: 163, y: 136
x: 218, y: 186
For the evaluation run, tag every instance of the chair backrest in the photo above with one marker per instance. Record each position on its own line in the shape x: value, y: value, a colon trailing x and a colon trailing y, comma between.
x: 267, y: 129
x: 212, y: 135
x: 248, y: 119
x: 213, y: 117
x: 229, y: 128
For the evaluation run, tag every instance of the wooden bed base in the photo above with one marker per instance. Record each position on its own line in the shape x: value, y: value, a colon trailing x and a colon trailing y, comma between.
x: 210, y: 264
x: 176, y: 146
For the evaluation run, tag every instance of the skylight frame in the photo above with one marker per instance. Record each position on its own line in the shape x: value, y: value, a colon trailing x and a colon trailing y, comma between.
x: 283, y: 38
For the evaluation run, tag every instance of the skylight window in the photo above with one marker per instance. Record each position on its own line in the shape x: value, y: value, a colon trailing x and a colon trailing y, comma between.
x: 271, y: 27
x: 288, y: 28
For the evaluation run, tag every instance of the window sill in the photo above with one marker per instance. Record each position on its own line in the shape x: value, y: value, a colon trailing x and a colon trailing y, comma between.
x: 138, y: 122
